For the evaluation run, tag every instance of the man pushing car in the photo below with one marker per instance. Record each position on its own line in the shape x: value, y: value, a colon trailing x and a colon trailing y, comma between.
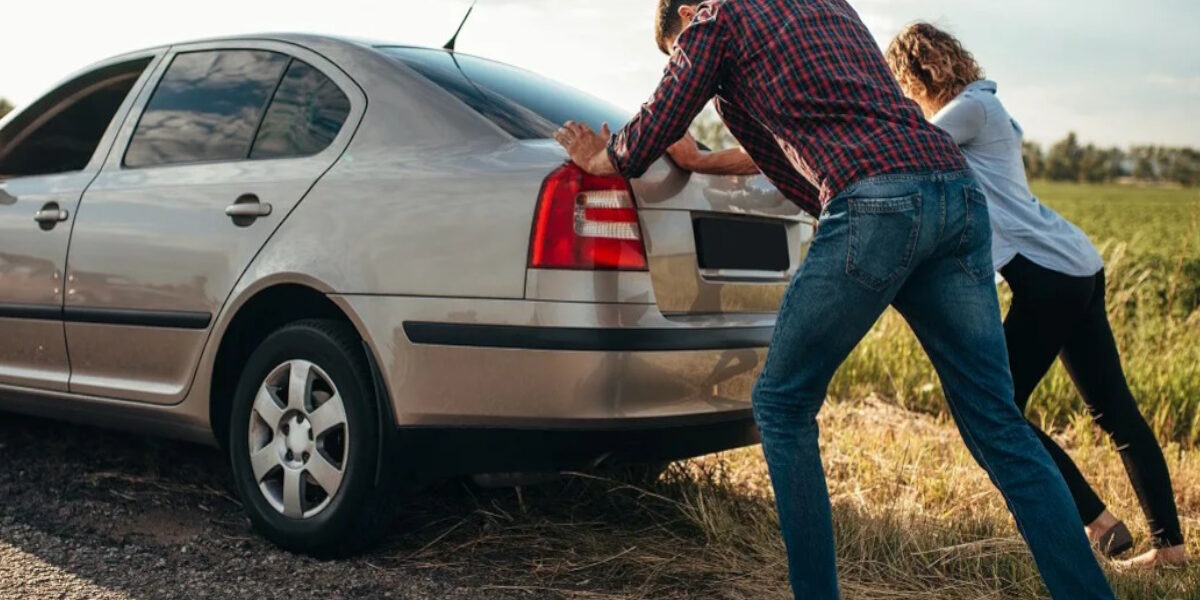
x: 806, y: 91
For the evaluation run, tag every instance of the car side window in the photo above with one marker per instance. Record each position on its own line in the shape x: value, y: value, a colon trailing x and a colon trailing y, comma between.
x: 61, y: 131
x: 305, y: 116
x: 206, y: 108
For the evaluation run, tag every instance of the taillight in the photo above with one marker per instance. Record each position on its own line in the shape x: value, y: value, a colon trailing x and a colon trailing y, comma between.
x: 586, y: 222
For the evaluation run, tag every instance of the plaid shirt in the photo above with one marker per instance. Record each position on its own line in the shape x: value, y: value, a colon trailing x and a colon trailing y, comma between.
x: 805, y: 90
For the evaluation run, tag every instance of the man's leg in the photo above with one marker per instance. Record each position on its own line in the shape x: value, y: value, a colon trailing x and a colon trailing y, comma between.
x: 823, y: 317
x: 956, y: 316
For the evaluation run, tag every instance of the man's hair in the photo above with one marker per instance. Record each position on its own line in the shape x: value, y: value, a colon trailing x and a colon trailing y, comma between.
x: 669, y: 23
x: 931, y: 63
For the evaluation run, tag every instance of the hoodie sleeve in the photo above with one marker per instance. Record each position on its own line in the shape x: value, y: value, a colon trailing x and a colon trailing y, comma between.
x: 964, y: 119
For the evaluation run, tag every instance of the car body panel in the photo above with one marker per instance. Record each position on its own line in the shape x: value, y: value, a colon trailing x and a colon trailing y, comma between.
x: 157, y: 239
x: 32, y: 262
x: 457, y: 385
x: 33, y: 257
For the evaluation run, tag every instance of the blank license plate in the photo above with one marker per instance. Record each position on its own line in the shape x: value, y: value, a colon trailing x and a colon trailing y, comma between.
x: 741, y: 244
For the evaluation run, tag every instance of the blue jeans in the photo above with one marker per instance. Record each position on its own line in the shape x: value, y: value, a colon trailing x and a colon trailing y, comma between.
x: 920, y: 243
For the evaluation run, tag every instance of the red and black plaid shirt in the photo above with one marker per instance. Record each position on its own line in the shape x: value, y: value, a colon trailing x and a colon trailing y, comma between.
x: 803, y: 87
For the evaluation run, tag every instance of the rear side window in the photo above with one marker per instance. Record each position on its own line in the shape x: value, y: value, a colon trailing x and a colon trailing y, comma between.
x: 206, y: 108
x: 524, y: 104
x: 306, y: 115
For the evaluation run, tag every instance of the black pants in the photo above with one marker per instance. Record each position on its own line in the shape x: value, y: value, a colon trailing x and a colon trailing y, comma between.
x: 1057, y: 315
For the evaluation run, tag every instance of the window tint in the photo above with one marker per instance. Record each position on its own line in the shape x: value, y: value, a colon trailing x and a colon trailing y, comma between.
x: 307, y: 113
x: 60, y: 132
x: 206, y: 108
x: 524, y: 104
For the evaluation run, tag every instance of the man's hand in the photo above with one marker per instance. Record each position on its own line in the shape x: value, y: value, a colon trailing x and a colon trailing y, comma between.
x: 587, y: 148
x: 686, y: 153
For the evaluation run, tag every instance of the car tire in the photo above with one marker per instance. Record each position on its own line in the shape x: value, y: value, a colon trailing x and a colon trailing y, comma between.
x: 305, y: 470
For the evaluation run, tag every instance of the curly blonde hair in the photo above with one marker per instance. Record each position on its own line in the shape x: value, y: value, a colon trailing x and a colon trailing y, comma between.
x: 931, y: 64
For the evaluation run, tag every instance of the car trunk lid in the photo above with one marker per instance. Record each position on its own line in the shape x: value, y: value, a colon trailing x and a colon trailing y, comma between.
x: 718, y: 244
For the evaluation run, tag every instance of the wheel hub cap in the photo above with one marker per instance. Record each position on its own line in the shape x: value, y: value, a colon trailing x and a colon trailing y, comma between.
x: 299, y: 439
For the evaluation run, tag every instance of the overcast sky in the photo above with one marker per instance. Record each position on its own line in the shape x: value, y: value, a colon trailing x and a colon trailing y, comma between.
x: 1116, y: 71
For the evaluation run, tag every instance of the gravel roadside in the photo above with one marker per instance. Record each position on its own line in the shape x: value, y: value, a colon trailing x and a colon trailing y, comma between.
x: 87, y: 513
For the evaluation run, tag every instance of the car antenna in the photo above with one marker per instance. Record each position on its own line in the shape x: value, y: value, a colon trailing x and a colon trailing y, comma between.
x: 450, y: 44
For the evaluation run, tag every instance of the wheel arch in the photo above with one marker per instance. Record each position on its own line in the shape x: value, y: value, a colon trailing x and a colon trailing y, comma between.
x: 261, y: 313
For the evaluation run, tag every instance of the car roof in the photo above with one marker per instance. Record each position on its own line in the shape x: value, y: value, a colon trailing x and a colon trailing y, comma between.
x: 312, y: 41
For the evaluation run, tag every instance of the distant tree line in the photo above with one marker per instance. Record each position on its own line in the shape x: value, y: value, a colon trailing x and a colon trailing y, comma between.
x: 1067, y: 160
x: 5, y: 107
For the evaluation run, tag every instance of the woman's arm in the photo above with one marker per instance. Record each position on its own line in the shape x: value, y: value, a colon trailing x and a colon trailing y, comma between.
x: 735, y: 161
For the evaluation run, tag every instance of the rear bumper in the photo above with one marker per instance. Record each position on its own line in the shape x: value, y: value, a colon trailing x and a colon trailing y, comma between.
x: 453, y: 364
x: 569, y: 446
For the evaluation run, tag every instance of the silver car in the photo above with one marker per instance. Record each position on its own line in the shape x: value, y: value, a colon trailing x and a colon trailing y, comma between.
x: 358, y: 266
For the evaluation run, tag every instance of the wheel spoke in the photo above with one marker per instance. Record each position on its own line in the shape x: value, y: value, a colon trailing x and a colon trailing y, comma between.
x: 263, y: 461
x: 329, y: 415
x: 324, y: 473
x: 299, y: 385
x: 267, y: 408
x: 293, y: 492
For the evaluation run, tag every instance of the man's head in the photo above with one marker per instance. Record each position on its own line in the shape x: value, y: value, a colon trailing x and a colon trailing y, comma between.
x: 673, y: 17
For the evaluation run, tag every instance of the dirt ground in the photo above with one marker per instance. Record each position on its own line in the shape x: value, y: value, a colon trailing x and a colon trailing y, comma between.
x: 87, y: 513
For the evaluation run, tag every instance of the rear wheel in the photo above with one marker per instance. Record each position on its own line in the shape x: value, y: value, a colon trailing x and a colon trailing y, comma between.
x: 304, y: 441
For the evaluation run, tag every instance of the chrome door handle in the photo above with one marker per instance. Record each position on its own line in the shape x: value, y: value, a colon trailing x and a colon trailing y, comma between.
x: 248, y: 207
x: 51, y: 215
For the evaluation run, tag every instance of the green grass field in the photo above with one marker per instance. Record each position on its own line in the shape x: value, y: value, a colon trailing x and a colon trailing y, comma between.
x: 1150, y: 239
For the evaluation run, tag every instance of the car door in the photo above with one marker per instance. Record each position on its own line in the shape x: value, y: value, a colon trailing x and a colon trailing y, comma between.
x: 49, y: 153
x: 225, y: 144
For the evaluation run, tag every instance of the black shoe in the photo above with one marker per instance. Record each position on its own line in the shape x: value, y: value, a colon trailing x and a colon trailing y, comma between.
x: 1116, y: 541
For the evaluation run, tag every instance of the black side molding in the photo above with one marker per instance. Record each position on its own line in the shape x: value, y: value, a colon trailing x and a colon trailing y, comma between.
x: 106, y: 316
x: 34, y: 312
x: 141, y: 318
x: 587, y: 339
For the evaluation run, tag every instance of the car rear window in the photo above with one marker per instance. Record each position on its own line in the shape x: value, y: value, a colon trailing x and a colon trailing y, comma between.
x: 524, y: 104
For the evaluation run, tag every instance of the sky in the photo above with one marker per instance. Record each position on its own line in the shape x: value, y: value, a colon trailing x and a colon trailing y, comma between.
x: 1118, y: 72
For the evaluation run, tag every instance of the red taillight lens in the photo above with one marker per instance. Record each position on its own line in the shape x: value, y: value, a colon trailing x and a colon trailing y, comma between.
x: 586, y: 222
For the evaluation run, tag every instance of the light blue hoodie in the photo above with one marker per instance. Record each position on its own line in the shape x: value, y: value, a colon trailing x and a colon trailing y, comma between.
x: 991, y: 141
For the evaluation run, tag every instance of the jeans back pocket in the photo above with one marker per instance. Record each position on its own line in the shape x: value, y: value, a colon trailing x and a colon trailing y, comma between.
x: 974, y: 253
x: 883, y: 239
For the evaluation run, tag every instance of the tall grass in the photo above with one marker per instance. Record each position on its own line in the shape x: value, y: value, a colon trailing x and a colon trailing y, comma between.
x: 1151, y: 243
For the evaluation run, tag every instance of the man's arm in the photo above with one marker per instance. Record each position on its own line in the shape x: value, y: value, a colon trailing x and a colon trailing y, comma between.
x: 768, y: 155
x: 690, y: 80
x: 688, y: 155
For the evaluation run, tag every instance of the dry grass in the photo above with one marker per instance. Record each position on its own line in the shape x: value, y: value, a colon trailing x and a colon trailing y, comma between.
x: 915, y: 518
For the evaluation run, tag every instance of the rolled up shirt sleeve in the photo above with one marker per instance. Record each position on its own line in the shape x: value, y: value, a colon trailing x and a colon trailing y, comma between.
x: 689, y: 82
x: 963, y: 118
